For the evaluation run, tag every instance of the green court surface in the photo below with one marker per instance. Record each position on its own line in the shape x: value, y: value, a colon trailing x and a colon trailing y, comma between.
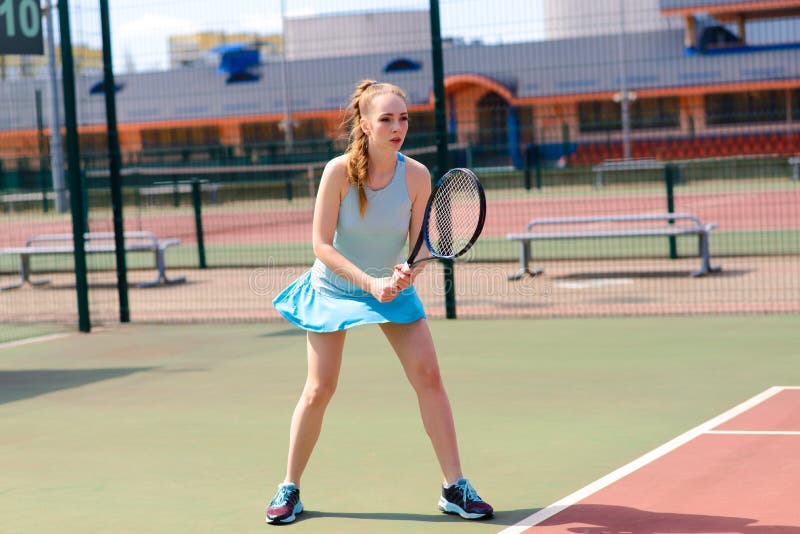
x: 10, y: 333
x: 172, y: 429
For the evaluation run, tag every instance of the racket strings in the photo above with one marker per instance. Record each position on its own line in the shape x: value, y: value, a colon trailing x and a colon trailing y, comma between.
x: 455, y: 214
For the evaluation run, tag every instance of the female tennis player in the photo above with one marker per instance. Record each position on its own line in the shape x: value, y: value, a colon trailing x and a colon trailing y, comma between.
x: 371, y: 200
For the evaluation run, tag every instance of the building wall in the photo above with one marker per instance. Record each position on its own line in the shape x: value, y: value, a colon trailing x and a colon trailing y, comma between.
x: 464, y: 103
x: 549, y: 78
x: 565, y: 19
x: 355, y: 34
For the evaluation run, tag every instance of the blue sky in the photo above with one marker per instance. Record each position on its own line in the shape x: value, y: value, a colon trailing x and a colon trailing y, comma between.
x: 140, y: 27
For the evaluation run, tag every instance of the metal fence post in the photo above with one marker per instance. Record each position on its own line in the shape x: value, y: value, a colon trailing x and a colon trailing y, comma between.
x: 197, y: 203
x: 115, y: 164
x: 76, y: 188
x: 442, y: 156
x: 669, y: 181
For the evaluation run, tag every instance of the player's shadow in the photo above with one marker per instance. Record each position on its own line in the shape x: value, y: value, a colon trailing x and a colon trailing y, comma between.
x: 608, y: 519
x: 23, y: 384
x: 501, y: 517
x: 290, y: 332
x: 593, y: 518
x: 679, y: 274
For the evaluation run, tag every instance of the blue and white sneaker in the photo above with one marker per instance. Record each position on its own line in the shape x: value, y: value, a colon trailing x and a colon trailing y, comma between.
x: 284, y: 507
x: 462, y: 499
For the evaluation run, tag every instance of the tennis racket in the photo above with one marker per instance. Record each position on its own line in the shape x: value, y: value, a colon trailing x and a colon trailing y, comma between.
x: 454, y: 217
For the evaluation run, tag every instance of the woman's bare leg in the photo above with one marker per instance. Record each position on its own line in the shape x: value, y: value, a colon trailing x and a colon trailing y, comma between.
x: 413, y: 344
x: 324, y: 362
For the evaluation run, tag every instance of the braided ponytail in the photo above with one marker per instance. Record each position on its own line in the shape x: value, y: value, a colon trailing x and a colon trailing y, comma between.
x: 358, y: 157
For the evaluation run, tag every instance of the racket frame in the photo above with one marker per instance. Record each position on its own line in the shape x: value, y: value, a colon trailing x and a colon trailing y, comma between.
x: 423, y: 233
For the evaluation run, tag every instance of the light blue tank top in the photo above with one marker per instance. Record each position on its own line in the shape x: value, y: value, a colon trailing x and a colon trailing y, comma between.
x: 374, y: 242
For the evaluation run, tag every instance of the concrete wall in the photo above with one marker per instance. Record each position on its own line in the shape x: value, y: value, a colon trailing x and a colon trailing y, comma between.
x: 566, y: 19
x: 356, y: 34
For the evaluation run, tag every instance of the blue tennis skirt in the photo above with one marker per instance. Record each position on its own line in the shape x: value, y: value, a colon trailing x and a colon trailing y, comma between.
x: 318, y: 310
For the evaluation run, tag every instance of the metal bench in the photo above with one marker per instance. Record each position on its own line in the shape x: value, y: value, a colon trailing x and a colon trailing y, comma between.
x: 161, y: 189
x: 11, y: 200
x: 636, y: 164
x: 95, y: 242
x: 676, y: 224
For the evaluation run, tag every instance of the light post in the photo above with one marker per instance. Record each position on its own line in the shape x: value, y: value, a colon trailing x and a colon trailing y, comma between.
x: 288, y: 127
x: 624, y: 96
x: 56, y: 150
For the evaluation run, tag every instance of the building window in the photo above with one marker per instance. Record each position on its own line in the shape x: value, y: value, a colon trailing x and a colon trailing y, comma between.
x: 492, y: 122
x: 745, y: 107
x: 422, y: 130
x: 526, y: 125
x: 261, y: 132
x: 655, y: 113
x: 93, y: 144
x: 402, y: 65
x: 200, y: 136
x: 599, y: 116
x: 99, y: 88
x: 310, y: 130
x: 645, y: 113
x: 181, y: 144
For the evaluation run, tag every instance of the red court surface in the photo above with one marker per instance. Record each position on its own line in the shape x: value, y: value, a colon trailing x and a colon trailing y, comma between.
x: 738, y: 473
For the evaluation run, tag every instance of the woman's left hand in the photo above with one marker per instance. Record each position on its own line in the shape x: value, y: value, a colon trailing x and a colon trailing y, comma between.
x: 417, y: 269
x: 404, y: 275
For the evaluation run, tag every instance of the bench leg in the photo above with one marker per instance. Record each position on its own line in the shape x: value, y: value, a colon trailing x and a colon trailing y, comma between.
x: 162, y: 277
x: 25, y: 275
x: 524, y: 261
x: 705, y: 257
x: 14, y: 286
x: 598, y: 179
x: 25, y: 272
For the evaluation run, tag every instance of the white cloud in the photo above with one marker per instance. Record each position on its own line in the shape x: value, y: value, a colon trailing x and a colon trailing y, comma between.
x: 146, y: 38
x: 151, y: 24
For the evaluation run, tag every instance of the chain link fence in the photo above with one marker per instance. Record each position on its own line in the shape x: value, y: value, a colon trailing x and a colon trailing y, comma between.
x: 595, y: 119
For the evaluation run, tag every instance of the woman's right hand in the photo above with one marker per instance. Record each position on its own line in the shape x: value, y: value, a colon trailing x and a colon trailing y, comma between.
x: 384, y: 289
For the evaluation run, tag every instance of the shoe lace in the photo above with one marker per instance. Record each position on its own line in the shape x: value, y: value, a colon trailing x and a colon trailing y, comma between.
x: 283, y: 495
x: 469, y: 493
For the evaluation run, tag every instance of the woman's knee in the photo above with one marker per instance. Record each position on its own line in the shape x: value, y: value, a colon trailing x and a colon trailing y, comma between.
x: 318, y: 394
x: 427, y: 377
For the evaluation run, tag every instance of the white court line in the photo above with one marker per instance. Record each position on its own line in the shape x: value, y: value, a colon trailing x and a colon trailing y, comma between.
x: 614, y: 476
x: 595, y: 282
x: 754, y: 432
x: 31, y: 340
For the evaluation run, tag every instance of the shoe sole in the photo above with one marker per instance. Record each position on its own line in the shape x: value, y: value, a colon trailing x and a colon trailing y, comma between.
x: 298, y: 509
x: 450, y: 508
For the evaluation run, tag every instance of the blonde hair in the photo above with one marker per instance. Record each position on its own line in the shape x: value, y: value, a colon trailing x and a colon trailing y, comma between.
x: 358, y: 160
